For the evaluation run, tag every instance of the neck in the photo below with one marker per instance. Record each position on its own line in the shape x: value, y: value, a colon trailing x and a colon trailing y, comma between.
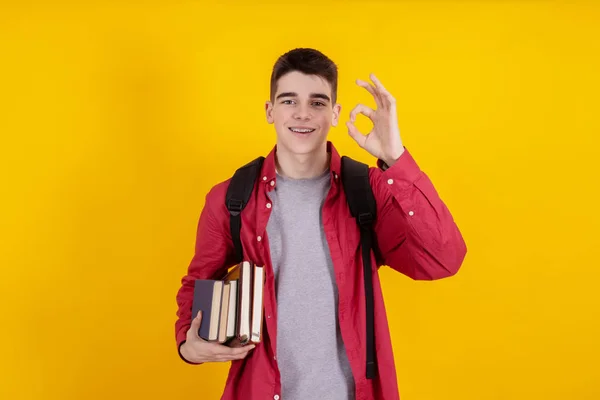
x: 302, y: 166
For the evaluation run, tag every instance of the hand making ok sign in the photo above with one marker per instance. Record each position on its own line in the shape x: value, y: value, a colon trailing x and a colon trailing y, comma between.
x: 384, y: 140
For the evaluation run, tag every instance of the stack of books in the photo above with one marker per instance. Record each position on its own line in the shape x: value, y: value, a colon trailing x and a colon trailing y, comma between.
x: 231, y: 307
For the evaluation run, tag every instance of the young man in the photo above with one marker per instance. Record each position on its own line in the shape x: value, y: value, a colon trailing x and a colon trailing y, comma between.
x: 298, y: 225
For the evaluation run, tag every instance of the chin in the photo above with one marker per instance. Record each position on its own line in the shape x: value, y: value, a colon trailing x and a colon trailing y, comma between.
x: 300, y: 148
x: 306, y: 146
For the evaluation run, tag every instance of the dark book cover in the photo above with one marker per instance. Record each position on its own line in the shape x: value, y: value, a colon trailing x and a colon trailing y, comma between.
x: 204, y: 293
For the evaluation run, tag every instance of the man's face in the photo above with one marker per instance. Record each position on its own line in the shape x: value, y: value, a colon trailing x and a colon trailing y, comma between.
x: 302, y: 113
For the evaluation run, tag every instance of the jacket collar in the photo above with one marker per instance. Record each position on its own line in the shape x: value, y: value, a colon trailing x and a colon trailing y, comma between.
x: 269, y: 173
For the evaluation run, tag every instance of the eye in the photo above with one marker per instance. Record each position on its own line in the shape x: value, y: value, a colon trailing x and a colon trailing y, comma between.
x: 319, y: 104
x: 287, y: 101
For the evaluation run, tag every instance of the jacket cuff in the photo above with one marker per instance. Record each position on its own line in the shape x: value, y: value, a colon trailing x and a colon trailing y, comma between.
x: 405, y: 171
x: 381, y: 164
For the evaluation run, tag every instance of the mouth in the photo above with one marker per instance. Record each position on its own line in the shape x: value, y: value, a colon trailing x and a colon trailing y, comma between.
x: 301, y: 130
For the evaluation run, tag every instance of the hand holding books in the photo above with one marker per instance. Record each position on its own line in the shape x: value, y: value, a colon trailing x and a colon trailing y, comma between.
x: 232, y: 308
x: 197, y: 350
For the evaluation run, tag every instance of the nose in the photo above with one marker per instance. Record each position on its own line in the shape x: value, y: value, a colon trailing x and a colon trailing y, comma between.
x: 302, y: 113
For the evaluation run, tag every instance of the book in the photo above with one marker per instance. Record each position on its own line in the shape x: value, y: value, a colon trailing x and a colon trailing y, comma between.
x: 222, y: 336
x: 232, y: 307
x: 232, y: 313
x: 242, y: 273
x: 257, y: 304
x: 207, y: 298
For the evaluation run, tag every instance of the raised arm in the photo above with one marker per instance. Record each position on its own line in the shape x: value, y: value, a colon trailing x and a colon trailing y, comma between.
x: 415, y: 231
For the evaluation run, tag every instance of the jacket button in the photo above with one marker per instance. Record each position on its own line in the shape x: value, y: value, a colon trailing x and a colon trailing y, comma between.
x: 259, y: 238
x: 276, y: 397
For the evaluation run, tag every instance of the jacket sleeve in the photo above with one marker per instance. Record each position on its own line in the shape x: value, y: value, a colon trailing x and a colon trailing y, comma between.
x: 213, y: 254
x: 415, y: 232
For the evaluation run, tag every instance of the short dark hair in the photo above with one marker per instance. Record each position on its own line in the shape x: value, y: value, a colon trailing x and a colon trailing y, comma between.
x: 307, y: 61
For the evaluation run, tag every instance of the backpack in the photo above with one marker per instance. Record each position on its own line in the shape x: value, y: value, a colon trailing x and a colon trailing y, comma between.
x: 355, y: 180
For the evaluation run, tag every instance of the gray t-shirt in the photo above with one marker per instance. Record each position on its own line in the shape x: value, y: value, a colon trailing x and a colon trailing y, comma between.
x: 310, y: 351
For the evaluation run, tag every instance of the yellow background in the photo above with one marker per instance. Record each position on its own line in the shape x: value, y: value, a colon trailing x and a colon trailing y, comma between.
x: 116, y: 119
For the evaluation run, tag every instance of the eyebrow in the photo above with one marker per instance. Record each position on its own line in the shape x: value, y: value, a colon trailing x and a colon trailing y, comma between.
x: 312, y: 95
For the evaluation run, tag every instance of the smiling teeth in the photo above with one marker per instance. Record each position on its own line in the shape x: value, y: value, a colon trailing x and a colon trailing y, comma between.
x: 301, y: 130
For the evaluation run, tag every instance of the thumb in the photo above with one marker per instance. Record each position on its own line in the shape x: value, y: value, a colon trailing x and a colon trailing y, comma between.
x: 196, y: 325
x: 355, y: 134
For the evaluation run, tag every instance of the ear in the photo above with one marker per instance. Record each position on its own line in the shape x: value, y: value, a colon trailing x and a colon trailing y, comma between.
x: 336, y: 114
x: 269, y: 112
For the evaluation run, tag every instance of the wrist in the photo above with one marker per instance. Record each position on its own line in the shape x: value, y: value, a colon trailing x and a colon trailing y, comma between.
x: 183, y: 352
x: 391, y: 158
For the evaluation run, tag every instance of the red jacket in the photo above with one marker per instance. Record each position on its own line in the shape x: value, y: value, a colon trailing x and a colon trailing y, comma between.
x: 415, y: 233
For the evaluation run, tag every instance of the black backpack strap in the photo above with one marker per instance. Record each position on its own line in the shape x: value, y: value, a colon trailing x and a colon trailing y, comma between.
x: 238, y: 193
x: 355, y: 179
